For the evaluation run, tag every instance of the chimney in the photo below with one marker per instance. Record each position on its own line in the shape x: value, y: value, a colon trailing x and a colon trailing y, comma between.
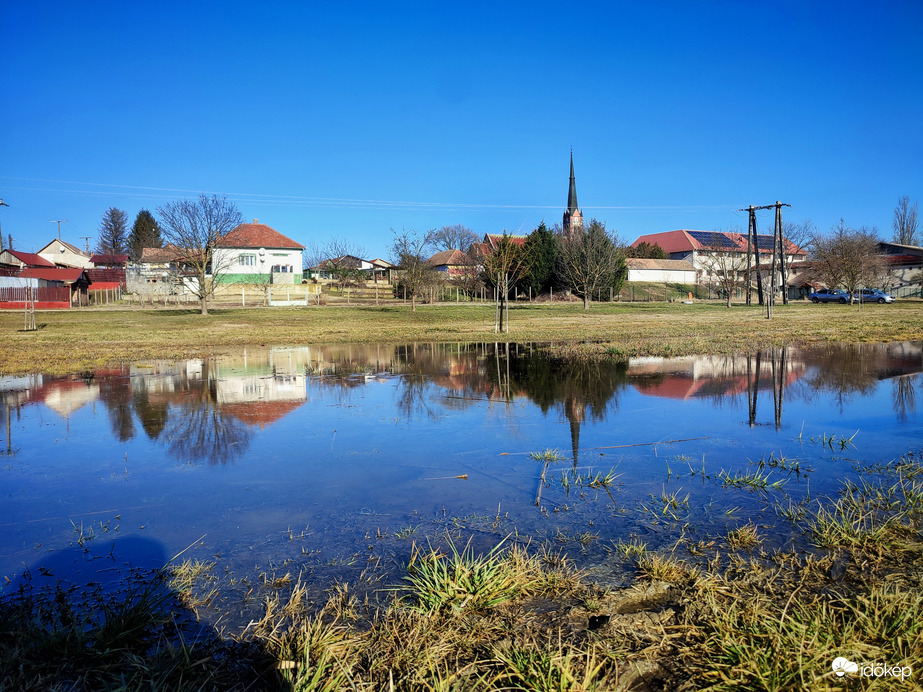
x: 256, y: 220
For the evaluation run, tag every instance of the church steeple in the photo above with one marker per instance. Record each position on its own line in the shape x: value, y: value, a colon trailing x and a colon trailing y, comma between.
x: 572, y: 190
x: 573, y: 217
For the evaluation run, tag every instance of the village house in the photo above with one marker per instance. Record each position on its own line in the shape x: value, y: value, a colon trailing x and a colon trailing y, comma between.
x: 63, y: 254
x: 660, y: 271
x: 255, y: 253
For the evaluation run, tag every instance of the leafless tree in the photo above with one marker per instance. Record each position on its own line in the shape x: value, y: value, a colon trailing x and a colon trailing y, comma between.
x: 503, y: 266
x: 467, y: 278
x: 195, y: 228
x: 409, y: 253
x: 454, y: 238
x: 847, y: 257
x: 726, y: 269
x: 905, y: 222
x: 340, y: 258
x: 589, y: 260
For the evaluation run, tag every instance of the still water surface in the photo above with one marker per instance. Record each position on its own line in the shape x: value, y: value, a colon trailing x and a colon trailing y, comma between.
x: 330, y: 461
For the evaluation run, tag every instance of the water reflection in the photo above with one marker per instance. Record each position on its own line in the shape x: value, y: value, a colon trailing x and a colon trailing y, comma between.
x: 208, y: 410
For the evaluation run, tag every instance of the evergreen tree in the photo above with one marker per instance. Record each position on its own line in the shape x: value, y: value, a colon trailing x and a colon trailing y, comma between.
x: 542, y: 249
x: 144, y: 233
x: 112, y: 240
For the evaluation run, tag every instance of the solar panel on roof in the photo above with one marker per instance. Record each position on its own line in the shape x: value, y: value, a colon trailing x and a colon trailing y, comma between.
x: 713, y: 239
x: 764, y: 242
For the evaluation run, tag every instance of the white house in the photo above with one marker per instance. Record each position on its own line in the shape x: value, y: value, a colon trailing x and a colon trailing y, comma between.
x: 256, y: 253
x: 660, y: 271
x: 63, y: 254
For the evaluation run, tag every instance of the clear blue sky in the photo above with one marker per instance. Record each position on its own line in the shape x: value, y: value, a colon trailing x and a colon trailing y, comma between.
x: 350, y: 119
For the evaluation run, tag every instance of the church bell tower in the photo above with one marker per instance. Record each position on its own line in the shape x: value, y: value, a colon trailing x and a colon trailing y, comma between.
x: 573, y: 217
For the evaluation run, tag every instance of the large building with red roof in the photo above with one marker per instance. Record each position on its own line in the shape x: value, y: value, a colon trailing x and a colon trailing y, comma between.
x: 700, y: 248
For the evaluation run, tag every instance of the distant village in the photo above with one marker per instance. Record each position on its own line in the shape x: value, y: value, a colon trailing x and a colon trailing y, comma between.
x: 713, y: 263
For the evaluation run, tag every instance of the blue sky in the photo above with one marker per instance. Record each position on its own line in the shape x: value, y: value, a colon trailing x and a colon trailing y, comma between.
x: 349, y: 119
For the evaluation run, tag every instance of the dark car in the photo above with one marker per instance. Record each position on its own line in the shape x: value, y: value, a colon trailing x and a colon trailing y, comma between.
x: 870, y: 295
x: 829, y: 295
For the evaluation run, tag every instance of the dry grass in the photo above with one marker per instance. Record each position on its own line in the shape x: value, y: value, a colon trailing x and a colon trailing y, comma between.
x: 79, y: 340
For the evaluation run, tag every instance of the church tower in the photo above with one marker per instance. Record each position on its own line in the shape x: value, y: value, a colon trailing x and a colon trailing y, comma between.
x: 573, y: 217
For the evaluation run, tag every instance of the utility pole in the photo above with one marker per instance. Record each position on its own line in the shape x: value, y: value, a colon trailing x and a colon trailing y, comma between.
x: 781, y: 244
x: 86, y: 242
x: 59, y: 222
x: 778, y: 252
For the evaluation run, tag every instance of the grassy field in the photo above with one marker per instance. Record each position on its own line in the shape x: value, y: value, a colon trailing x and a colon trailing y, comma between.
x: 78, y: 340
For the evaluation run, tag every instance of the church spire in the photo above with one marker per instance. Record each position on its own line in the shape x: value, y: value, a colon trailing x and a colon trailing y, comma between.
x: 572, y: 190
x: 573, y: 217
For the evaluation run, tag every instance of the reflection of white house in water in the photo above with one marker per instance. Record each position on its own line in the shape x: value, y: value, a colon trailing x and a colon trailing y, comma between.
x: 262, y: 386
x: 706, y: 376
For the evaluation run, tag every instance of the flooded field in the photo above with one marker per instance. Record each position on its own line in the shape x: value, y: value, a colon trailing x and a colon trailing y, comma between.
x: 329, y: 463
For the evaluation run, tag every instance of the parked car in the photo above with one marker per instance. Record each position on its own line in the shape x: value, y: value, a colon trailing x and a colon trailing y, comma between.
x: 870, y: 295
x: 829, y: 295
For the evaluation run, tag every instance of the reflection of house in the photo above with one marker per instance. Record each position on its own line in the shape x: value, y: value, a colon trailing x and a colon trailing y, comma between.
x: 256, y: 253
x: 704, y: 376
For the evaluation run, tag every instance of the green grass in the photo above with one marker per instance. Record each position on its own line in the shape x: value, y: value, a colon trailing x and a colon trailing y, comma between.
x: 83, y: 339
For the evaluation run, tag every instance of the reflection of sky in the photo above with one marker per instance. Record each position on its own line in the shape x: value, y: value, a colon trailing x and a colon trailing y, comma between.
x: 349, y: 459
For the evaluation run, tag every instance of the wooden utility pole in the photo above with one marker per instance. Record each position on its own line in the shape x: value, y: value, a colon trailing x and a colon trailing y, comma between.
x: 59, y: 222
x: 778, y: 252
x: 780, y: 241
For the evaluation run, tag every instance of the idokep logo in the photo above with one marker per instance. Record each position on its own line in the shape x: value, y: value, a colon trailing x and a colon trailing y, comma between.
x: 843, y: 666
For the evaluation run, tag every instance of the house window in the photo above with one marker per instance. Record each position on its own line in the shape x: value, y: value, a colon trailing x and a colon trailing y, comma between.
x: 247, y: 260
x: 282, y: 268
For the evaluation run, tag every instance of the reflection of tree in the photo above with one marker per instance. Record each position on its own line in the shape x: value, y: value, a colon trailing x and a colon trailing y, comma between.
x: 201, y: 431
x: 905, y: 395
x: 843, y: 372
x: 116, y: 393
x: 577, y: 387
x: 153, y: 417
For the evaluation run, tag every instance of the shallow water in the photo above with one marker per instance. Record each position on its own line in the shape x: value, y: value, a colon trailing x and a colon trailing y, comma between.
x: 331, y: 461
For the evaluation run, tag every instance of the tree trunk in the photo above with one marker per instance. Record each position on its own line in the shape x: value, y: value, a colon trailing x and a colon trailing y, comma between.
x: 204, y: 305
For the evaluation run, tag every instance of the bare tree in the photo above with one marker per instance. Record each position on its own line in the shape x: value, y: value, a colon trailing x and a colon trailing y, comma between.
x: 454, y: 238
x: 113, y: 239
x: 504, y: 266
x: 196, y: 228
x: 726, y: 269
x: 905, y: 222
x: 340, y: 258
x: 847, y: 257
x: 409, y: 253
x: 589, y: 260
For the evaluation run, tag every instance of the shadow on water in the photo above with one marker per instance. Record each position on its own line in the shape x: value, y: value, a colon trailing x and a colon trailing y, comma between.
x: 117, y: 615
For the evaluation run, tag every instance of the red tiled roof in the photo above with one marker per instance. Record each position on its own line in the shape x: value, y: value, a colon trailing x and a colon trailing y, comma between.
x: 256, y: 235
x: 160, y: 255
x: 109, y: 260
x: 261, y: 413
x: 67, y: 275
x: 454, y: 258
x: 30, y: 259
x: 902, y: 260
x: 492, y: 239
x: 683, y: 240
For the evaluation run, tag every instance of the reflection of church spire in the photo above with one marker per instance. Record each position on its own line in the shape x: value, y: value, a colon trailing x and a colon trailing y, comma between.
x: 574, y: 411
x: 573, y: 217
